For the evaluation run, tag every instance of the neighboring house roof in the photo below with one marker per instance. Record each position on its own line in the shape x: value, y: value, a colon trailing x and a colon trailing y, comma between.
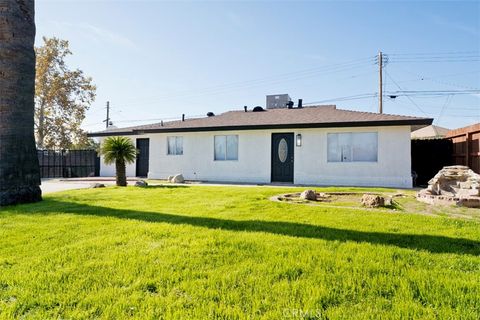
x: 282, y: 118
x: 430, y: 132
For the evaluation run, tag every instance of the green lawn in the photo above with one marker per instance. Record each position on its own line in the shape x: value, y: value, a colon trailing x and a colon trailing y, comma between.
x: 231, y: 253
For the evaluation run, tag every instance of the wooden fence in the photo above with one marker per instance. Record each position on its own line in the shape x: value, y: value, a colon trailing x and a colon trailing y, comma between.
x: 466, y: 146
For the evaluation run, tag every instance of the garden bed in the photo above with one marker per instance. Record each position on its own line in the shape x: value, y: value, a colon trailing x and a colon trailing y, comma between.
x: 338, y: 199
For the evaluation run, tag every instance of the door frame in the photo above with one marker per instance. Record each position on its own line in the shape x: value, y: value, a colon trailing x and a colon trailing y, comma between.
x: 272, y: 162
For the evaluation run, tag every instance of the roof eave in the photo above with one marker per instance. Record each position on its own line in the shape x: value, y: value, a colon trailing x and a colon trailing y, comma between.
x: 383, y: 123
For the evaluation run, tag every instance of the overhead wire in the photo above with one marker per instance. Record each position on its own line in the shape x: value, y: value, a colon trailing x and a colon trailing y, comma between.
x: 408, y: 97
x: 458, y: 56
x: 262, y: 81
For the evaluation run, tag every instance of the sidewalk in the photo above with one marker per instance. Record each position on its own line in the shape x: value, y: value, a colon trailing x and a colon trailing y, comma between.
x: 64, y: 184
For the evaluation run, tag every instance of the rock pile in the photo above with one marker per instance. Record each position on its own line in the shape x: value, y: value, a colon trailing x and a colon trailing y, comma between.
x: 309, y: 195
x: 454, y: 184
x: 178, y: 178
x: 454, y: 181
x: 372, y: 200
x: 141, y: 183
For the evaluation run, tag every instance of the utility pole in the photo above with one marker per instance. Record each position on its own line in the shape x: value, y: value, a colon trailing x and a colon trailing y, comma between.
x: 380, y: 95
x: 107, y: 121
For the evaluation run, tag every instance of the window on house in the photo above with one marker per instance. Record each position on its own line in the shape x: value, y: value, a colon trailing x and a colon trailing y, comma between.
x: 175, y: 145
x: 226, y: 147
x: 352, y: 147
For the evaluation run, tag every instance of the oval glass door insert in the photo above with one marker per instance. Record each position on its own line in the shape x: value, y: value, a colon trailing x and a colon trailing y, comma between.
x: 282, y: 150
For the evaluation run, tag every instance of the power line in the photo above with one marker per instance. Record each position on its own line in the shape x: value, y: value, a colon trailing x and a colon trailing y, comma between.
x: 346, y: 98
x: 444, y: 107
x: 431, y: 78
x: 323, y: 70
x: 408, y: 97
x: 418, y: 60
x: 435, y: 53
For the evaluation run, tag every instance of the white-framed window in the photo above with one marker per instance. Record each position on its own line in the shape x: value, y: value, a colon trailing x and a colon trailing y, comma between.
x: 352, y: 147
x: 175, y: 146
x: 226, y: 147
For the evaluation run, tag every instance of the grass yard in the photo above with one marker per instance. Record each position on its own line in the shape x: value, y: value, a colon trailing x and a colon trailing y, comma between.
x: 230, y: 253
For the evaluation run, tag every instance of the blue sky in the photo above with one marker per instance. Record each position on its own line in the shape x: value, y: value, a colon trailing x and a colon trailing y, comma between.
x: 156, y: 60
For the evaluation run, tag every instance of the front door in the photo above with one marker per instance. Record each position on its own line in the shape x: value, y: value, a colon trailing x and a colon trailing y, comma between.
x: 282, y: 157
x: 143, y: 146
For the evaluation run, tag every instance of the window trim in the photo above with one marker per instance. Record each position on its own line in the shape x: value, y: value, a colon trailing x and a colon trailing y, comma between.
x: 225, y: 155
x: 352, y: 161
x: 176, y: 138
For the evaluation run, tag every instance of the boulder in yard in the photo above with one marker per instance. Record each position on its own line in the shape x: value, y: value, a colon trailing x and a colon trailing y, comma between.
x: 141, y: 183
x: 178, y: 178
x: 97, y: 185
x: 309, y: 195
x: 372, y: 200
x: 457, y: 185
x: 455, y: 181
x: 389, y: 201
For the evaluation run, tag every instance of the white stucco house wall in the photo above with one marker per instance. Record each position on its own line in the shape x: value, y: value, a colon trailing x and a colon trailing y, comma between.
x: 319, y: 145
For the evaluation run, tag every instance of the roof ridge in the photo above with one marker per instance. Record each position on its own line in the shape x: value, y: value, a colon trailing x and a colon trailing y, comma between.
x: 313, y: 116
x: 382, y: 114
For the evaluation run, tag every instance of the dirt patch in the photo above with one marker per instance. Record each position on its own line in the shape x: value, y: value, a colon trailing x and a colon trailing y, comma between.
x: 335, y: 199
x: 404, y: 201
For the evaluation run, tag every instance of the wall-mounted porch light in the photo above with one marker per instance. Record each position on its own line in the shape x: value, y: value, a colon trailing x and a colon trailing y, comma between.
x: 299, y: 140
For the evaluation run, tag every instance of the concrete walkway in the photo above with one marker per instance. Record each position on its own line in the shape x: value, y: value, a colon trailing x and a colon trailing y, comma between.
x: 64, y: 184
x: 56, y: 185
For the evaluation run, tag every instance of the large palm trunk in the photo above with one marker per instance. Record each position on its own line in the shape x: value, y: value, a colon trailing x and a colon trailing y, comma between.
x: 19, y: 171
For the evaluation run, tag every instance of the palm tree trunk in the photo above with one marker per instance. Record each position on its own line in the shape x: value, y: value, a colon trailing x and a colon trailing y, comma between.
x: 19, y: 171
x: 121, y: 175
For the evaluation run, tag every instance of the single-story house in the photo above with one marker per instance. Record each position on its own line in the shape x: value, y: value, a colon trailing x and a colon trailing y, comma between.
x: 315, y: 145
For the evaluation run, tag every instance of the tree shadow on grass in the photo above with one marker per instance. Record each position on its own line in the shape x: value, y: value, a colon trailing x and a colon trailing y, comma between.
x: 431, y: 243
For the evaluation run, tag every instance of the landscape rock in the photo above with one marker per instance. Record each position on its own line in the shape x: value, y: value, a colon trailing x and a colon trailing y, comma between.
x: 97, y: 185
x: 455, y: 181
x: 372, y: 200
x: 177, y: 179
x: 141, y: 183
x: 453, y: 185
x: 309, y: 195
x: 388, y: 201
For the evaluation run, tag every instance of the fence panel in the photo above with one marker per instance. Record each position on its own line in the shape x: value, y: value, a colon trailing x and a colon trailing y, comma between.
x: 68, y: 163
x: 466, y: 146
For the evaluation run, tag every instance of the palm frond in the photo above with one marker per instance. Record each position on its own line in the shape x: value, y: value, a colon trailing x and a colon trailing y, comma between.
x: 118, y: 148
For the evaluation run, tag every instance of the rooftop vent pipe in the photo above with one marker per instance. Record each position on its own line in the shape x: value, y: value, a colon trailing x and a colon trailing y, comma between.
x: 245, y: 108
x: 290, y: 104
x: 183, y: 117
x: 300, y: 103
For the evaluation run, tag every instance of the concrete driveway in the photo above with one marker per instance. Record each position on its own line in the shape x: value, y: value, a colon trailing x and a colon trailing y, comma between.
x: 64, y: 184
x: 55, y: 185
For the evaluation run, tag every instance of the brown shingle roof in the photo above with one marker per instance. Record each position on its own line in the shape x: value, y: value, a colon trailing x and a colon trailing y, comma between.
x: 309, y: 117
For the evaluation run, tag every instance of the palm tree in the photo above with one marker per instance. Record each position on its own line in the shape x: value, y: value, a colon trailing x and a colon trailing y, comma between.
x: 19, y: 170
x: 119, y: 150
